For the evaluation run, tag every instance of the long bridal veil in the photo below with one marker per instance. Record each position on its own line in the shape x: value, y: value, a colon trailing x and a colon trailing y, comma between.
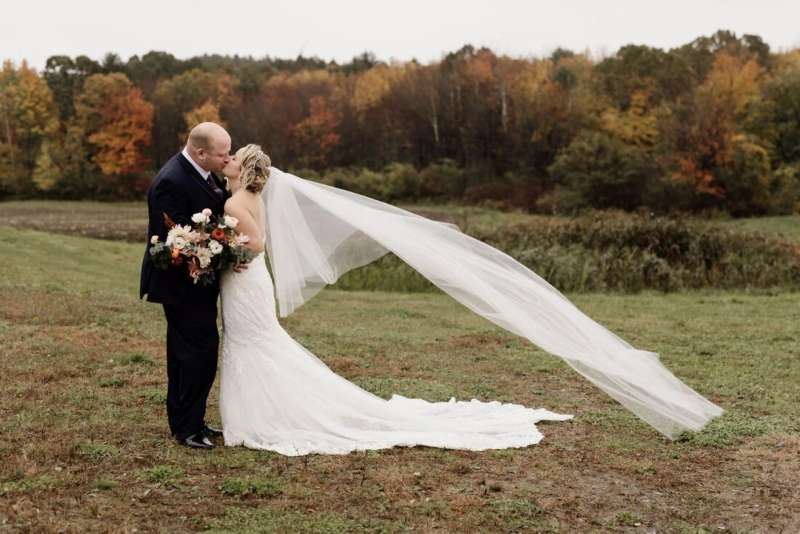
x: 316, y: 233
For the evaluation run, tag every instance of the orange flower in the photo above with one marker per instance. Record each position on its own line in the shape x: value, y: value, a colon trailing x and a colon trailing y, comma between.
x: 218, y: 233
x: 175, y: 253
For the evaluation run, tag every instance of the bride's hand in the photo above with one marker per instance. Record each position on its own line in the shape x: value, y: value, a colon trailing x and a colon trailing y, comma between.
x: 241, y: 267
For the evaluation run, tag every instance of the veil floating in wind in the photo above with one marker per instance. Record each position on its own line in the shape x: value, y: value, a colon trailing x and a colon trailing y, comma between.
x: 316, y: 233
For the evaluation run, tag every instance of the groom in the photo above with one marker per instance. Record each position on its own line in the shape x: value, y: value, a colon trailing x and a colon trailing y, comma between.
x: 186, y: 185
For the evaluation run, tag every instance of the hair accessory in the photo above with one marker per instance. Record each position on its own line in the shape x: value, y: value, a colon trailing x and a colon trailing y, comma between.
x: 259, y: 155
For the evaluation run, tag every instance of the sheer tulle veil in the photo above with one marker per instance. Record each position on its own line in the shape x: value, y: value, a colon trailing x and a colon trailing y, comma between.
x: 316, y: 233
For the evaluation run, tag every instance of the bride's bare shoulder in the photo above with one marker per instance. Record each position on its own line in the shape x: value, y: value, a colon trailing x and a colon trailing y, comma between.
x: 239, y: 201
x: 242, y: 202
x: 233, y: 204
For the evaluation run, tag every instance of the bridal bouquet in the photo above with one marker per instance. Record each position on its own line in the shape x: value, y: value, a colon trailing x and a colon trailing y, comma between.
x: 207, y: 245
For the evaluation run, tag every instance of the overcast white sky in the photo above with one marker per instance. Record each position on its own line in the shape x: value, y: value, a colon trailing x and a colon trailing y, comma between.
x: 341, y: 29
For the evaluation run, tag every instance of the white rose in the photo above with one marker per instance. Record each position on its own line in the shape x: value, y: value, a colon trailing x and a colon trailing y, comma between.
x: 179, y: 231
x: 215, y: 247
x: 178, y: 242
x: 200, y: 218
x: 154, y: 239
x: 204, y: 255
x: 231, y: 221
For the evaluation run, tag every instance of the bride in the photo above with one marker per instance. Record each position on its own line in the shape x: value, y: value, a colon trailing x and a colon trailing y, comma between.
x: 276, y: 395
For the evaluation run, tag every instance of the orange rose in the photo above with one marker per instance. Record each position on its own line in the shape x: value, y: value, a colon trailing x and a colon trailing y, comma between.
x: 218, y: 233
x: 176, y: 252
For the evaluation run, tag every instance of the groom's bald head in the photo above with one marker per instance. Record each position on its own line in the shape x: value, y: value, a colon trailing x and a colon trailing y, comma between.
x: 209, y: 146
x: 207, y: 134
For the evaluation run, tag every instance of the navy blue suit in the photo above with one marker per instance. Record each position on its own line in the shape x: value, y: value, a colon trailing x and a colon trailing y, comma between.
x: 191, y: 309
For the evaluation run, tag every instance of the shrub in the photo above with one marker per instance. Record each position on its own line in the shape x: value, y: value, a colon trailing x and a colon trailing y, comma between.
x: 499, y: 195
x: 608, y: 251
x: 618, y: 252
x: 443, y: 180
x: 784, y: 196
x: 403, y: 182
x: 604, y: 172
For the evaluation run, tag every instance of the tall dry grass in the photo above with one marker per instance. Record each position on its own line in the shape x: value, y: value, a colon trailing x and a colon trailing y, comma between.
x: 621, y: 252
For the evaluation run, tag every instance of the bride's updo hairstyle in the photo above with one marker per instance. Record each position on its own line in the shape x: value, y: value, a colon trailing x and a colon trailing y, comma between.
x: 254, y: 169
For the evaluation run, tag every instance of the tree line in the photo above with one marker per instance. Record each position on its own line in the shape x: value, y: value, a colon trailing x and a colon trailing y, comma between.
x: 711, y: 125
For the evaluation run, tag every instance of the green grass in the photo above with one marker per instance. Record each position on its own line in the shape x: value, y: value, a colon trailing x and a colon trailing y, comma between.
x: 249, y: 487
x: 132, y: 358
x: 163, y: 474
x: 85, y: 441
x: 786, y: 225
x: 268, y: 521
x: 104, y: 484
x: 95, y: 451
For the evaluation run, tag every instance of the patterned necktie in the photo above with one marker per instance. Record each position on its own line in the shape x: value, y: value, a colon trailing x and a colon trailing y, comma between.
x: 214, y: 186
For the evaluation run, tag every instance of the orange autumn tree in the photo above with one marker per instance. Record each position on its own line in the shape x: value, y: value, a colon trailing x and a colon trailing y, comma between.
x: 711, y: 150
x: 316, y: 136
x: 28, y: 117
x: 118, y: 122
x: 298, y: 113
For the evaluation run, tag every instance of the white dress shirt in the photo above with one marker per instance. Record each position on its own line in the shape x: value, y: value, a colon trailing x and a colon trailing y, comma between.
x: 202, y: 172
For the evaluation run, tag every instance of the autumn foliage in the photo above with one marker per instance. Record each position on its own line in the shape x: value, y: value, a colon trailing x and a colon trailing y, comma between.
x: 117, y: 121
x: 711, y: 125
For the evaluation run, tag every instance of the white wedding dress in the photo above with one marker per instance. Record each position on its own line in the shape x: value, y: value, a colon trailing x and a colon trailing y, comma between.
x: 276, y: 395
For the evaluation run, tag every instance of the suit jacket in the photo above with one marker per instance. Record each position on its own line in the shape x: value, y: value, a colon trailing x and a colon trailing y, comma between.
x: 179, y: 191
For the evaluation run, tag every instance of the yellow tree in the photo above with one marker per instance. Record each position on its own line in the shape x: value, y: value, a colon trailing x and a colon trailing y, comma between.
x: 207, y: 112
x: 526, y: 86
x: 46, y: 173
x: 371, y: 87
x: 711, y: 150
x: 787, y: 60
x: 550, y: 103
x: 117, y: 121
x: 637, y: 125
x: 374, y: 108
x: 183, y: 98
x: 29, y: 117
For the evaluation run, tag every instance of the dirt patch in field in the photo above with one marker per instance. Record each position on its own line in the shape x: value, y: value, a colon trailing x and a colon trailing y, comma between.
x: 112, y: 222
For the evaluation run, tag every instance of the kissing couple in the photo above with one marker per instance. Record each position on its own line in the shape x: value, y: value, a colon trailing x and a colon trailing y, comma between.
x: 276, y: 395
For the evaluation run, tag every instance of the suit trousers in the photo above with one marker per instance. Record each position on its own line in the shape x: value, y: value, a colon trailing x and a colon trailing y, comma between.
x: 192, y: 354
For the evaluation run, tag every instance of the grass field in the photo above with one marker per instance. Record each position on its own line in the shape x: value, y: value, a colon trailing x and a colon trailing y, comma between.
x: 84, y: 445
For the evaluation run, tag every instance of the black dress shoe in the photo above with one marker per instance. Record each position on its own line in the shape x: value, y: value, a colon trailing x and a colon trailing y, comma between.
x: 197, y: 441
x: 211, y: 432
